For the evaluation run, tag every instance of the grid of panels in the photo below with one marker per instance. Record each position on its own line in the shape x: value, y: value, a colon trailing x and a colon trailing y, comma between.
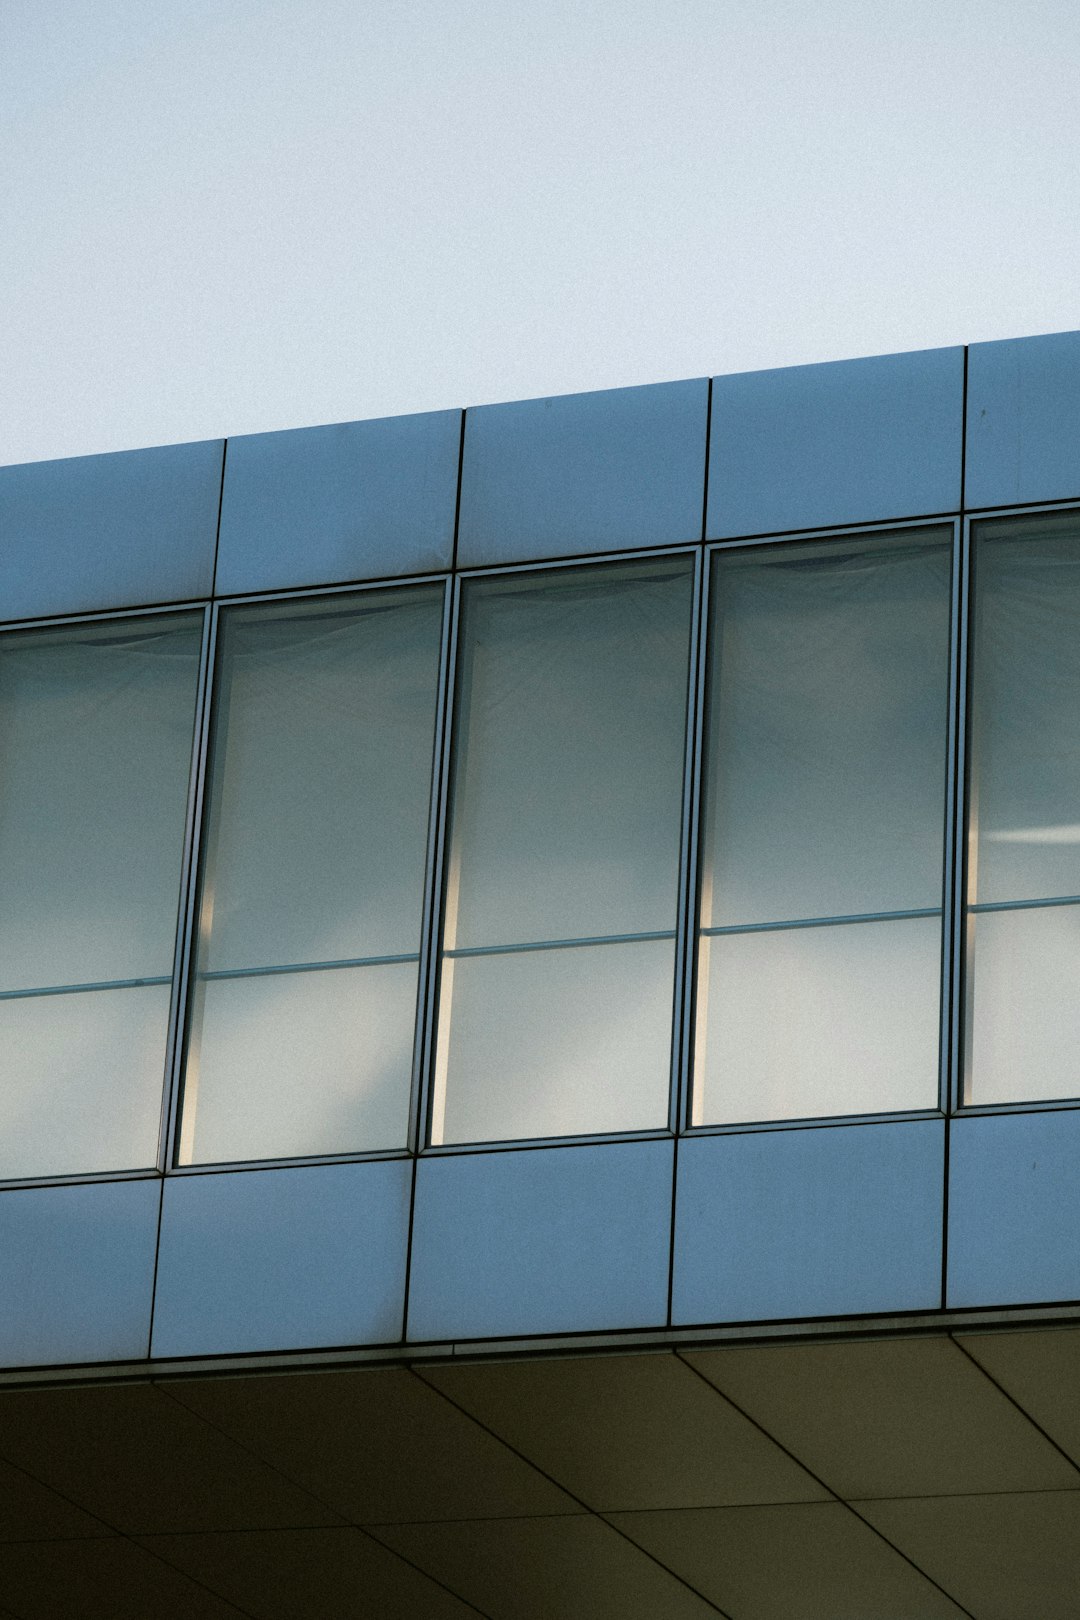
x: 421, y: 1115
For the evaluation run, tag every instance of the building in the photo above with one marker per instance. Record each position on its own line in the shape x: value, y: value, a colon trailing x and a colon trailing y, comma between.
x: 538, y: 1019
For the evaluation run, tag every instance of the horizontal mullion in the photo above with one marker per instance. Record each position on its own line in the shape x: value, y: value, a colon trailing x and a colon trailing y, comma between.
x: 1026, y: 905
x: 822, y: 922
x: 559, y: 944
x: 307, y: 967
x: 79, y: 989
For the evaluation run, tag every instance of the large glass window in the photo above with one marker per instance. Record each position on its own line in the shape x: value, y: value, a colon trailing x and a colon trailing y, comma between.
x: 562, y: 867
x: 96, y: 730
x: 821, y: 858
x: 301, y: 1030
x: 819, y: 954
x: 1023, y: 870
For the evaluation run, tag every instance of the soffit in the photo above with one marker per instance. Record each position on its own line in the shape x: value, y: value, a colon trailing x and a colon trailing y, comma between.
x: 899, y: 1477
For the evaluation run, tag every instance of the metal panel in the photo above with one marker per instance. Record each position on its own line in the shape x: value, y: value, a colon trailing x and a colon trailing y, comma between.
x: 854, y: 441
x: 548, y: 1565
x: 541, y: 1240
x: 282, y: 1259
x: 583, y: 473
x: 1014, y: 1217
x: 76, y: 1272
x: 832, y: 1221
x: 1023, y: 433
x: 109, y: 531
x: 358, y: 500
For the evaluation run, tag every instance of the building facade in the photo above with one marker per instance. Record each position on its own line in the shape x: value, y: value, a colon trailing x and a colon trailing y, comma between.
x: 538, y: 962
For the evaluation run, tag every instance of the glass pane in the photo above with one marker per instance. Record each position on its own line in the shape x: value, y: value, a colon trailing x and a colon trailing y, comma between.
x: 827, y: 729
x: 1025, y: 735
x: 95, y: 753
x: 1023, y: 1008
x: 556, y: 1042
x: 1024, y: 806
x: 96, y: 730
x: 566, y: 813
x: 805, y: 1022
x: 570, y: 738
x: 316, y: 847
x: 283, y: 1065
x: 324, y: 729
x: 82, y: 1081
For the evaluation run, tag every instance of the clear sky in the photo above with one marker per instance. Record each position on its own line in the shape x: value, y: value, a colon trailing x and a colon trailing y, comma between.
x: 223, y: 216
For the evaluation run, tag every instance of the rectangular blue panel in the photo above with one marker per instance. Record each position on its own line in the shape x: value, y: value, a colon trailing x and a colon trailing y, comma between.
x: 541, y: 1240
x: 830, y: 1221
x: 285, y: 1259
x: 77, y: 1272
x: 583, y: 473
x: 854, y: 441
x: 325, y: 505
x: 109, y: 531
x: 1023, y: 420
x: 1014, y: 1214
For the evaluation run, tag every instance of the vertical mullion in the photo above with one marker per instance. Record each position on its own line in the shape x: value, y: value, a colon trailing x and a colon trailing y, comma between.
x: 686, y: 950
x: 961, y: 759
x: 189, y: 893
x: 427, y: 1056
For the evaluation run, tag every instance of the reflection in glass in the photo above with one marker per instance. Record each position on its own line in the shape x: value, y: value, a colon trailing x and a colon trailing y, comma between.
x: 521, y: 1028
x: 565, y: 828
x: 840, y: 1018
x: 296, y: 1064
x: 96, y: 727
x: 824, y: 802
x: 1024, y: 1026
x: 1023, y: 950
x: 301, y: 1028
x: 82, y: 1084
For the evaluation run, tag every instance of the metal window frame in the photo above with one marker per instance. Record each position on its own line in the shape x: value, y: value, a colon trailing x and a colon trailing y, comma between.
x: 202, y: 609
x: 950, y: 525
x: 962, y: 1009
x: 955, y: 998
x: 692, y: 551
x: 196, y: 873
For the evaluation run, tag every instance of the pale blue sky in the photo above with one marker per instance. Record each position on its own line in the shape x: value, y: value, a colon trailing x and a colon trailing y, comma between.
x: 222, y: 216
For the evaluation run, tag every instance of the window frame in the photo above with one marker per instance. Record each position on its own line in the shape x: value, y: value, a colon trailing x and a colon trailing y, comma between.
x: 559, y: 566
x: 958, y: 790
x: 947, y: 525
x: 198, y: 856
x: 192, y: 813
x: 959, y: 1107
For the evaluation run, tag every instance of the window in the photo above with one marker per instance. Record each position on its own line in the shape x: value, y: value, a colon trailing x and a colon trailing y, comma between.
x: 304, y: 999
x: 548, y: 1003
x: 96, y: 729
x: 563, y: 856
x: 1023, y: 868
x: 819, y: 952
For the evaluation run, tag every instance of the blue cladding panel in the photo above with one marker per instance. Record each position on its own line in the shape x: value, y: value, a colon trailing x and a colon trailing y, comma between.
x: 109, y: 531
x: 855, y: 441
x: 1014, y: 1215
x: 282, y: 1259
x: 544, y: 1240
x: 77, y: 1272
x: 818, y: 1222
x: 1023, y: 439
x: 321, y: 506
x: 583, y: 473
